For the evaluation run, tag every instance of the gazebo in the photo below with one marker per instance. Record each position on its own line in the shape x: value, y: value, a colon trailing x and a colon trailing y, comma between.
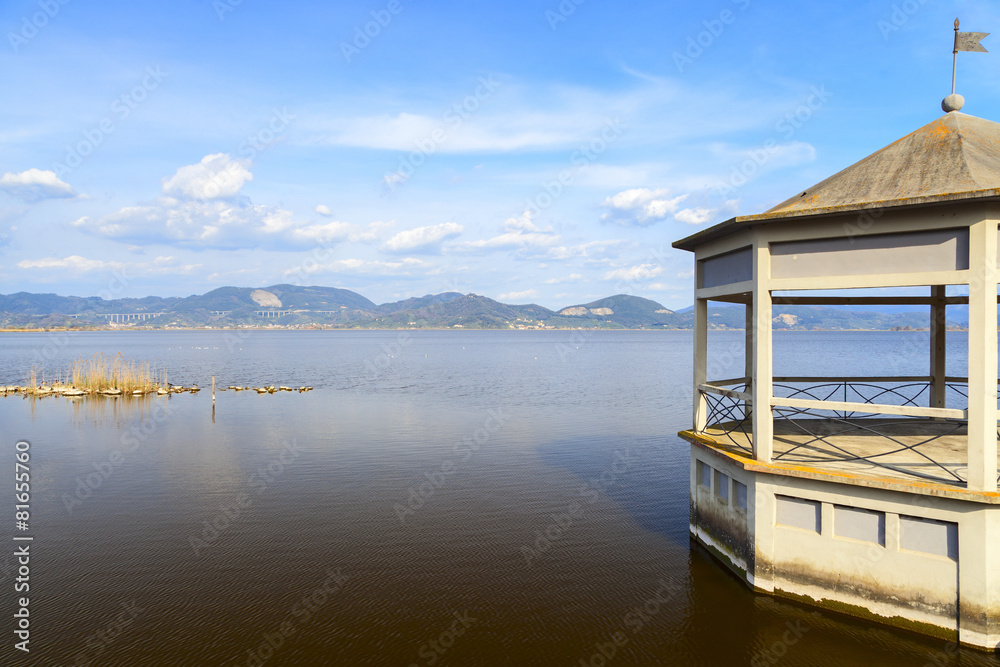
x: 875, y: 496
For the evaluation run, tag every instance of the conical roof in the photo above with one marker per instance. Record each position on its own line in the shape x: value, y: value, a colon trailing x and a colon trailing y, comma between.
x: 955, y: 154
x: 956, y: 157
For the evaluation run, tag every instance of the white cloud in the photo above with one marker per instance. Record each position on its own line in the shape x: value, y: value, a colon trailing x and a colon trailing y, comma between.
x: 325, y: 233
x: 217, y: 176
x: 571, y: 278
x: 793, y: 153
x: 35, y: 185
x: 222, y: 224
x: 216, y: 224
x: 201, y: 208
x: 73, y: 262
x: 483, y: 132
x: 371, y: 232
x: 589, y: 250
x: 514, y: 296
x: 519, y: 232
x: 694, y: 216
x: 424, y: 238
x: 79, y: 264
x: 521, y: 115
x: 324, y: 210
x: 641, y: 206
x: 640, y: 272
x: 403, y: 266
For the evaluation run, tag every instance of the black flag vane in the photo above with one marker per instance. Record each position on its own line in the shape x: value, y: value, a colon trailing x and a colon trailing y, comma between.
x: 965, y: 41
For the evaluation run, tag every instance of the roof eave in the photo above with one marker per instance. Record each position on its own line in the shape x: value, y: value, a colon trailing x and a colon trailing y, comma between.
x: 742, y: 222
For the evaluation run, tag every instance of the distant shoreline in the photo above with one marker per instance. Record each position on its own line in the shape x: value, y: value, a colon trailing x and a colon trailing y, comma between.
x: 458, y: 329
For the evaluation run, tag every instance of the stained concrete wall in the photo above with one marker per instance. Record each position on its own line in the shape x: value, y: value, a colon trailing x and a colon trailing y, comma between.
x: 716, y: 516
x: 922, y: 562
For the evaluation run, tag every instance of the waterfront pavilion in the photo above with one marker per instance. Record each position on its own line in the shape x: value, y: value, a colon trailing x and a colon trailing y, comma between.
x: 874, y: 496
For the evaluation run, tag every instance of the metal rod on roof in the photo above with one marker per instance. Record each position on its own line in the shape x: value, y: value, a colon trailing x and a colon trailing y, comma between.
x: 954, y: 59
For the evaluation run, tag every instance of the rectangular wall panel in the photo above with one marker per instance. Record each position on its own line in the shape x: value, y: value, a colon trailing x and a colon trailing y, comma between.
x: 939, y: 538
x: 726, y: 269
x: 875, y: 254
x: 859, y: 524
x: 798, y: 513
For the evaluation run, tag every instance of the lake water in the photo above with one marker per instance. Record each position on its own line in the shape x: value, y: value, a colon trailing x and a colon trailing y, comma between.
x: 441, y: 497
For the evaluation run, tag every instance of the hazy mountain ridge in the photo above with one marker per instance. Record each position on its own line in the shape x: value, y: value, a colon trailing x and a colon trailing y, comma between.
x: 296, y: 306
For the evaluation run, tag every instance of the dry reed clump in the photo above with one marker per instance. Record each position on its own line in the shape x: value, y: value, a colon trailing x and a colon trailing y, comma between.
x: 101, y: 373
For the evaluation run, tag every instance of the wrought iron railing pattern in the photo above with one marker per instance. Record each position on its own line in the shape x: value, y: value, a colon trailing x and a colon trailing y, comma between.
x: 819, y: 410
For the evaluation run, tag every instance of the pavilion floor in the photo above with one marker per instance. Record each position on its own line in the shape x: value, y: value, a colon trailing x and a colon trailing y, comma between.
x: 907, y: 449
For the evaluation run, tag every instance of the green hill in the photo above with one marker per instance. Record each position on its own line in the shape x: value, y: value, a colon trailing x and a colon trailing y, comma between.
x: 623, y: 310
x: 470, y: 311
x: 418, y: 303
x: 284, y: 297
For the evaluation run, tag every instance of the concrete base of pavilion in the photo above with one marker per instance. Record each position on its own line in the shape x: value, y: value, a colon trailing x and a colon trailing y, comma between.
x: 881, y: 544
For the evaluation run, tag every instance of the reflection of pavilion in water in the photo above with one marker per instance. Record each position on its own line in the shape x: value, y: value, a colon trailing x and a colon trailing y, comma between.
x: 872, y: 495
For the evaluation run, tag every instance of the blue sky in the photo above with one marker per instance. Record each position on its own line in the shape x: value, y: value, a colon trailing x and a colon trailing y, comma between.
x: 530, y: 151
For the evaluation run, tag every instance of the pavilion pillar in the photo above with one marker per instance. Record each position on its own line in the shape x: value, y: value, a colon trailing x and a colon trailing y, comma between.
x: 700, y: 363
x: 763, y: 417
x: 983, y: 356
x: 938, y: 329
x: 748, y: 360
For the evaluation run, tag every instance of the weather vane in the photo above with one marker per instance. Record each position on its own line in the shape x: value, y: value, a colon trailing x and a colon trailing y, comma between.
x: 964, y: 41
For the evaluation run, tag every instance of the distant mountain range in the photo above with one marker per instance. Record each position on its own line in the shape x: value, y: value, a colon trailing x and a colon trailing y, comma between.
x: 303, y: 307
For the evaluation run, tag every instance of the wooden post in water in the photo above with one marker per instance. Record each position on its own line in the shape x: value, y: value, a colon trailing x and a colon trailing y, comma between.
x: 213, y: 390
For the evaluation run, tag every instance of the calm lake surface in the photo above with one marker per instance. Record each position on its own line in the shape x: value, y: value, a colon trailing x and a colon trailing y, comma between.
x: 398, y: 513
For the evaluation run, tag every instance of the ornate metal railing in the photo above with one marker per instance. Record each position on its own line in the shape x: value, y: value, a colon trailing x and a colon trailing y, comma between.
x: 818, y: 412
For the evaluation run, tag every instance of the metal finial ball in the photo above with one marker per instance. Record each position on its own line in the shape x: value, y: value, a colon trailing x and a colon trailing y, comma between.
x: 953, y: 102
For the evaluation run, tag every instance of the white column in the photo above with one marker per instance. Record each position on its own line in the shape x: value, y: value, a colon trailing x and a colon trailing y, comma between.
x: 748, y: 357
x: 983, y: 356
x: 938, y: 329
x: 763, y: 419
x: 700, y: 362
x: 979, y: 580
